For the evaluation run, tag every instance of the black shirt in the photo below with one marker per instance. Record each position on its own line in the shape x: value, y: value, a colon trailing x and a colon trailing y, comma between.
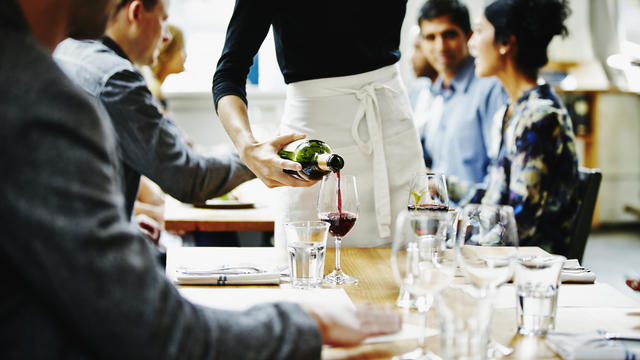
x: 314, y: 39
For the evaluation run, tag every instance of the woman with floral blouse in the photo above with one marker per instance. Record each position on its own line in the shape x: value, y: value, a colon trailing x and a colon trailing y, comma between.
x: 535, y: 169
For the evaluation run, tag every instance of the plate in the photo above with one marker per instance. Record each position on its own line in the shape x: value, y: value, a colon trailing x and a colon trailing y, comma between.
x: 225, y: 204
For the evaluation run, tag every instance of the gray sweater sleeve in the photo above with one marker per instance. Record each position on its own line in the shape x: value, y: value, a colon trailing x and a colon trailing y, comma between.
x: 80, y: 262
x: 153, y: 146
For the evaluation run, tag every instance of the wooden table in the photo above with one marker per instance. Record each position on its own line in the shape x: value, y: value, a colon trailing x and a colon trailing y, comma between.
x: 615, y: 312
x: 186, y: 217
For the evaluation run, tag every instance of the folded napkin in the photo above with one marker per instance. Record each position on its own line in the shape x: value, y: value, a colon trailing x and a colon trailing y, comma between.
x: 236, y: 274
x: 595, y: 345
x: 572, y: 272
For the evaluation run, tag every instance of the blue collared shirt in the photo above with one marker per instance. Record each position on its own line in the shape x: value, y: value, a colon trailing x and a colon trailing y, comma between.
x: 458, y: 144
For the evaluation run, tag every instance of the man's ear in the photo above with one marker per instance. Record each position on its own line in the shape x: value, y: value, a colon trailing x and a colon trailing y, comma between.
x: 133, y: 10
x: 469, y: 35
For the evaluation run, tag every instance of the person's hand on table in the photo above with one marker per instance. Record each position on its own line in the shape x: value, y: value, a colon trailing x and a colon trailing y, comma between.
x: 346, y: 326
x: 262, y: 158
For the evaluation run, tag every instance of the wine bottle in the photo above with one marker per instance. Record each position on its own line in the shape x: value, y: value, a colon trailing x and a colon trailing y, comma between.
x: 315, y: 157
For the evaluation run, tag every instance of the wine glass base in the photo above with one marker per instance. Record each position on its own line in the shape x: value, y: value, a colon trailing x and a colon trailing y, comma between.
x: 337, y: 277
x: 417, y: 354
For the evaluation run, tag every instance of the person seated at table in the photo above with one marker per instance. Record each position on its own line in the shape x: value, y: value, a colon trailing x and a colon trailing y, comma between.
x: 536, y: 170
x: 456, y: 139
x: 148, y: 209
x: 150, y: 144
x: 424, y: 104
x: 80, y: 282
x: 170, y: 60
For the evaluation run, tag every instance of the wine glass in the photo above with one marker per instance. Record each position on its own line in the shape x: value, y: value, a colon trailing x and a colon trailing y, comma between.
x: 338, y: 205
x: 488, y: 245
x: 487, y: 248
x: 428, y: 191
x: 423, y: 261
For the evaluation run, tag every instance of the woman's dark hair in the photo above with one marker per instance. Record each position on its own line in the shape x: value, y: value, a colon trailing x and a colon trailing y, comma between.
x: 533, y: 23
x: 453, y: 9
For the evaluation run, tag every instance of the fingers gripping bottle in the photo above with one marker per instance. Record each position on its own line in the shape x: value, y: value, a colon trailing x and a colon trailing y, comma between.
x: 315, y: 156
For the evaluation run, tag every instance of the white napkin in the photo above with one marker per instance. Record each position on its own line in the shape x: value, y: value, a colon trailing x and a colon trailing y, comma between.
x: 236, y: 274
x: 572, y: 272
x: 592, y: 346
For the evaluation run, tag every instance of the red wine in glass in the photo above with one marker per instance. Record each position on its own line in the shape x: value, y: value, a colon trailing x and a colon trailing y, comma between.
x: 339, y: 223
x: 339, y: 197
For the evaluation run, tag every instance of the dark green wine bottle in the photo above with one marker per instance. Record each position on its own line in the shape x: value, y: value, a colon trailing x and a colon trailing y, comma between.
x: 315, y: 157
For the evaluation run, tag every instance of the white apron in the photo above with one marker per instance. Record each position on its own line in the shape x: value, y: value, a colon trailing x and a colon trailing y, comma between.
x: 365, y: 118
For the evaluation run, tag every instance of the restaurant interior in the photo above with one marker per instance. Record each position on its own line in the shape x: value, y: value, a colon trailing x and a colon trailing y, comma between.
x: 595, y: 72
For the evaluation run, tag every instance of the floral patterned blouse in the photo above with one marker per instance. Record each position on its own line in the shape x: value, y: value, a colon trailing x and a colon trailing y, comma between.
x: 536, y: 171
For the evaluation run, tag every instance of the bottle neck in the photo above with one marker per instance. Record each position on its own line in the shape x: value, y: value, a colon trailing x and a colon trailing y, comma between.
x: 329, y: 162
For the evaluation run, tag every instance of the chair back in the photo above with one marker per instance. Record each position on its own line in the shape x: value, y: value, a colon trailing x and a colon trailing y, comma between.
x: 587, y: 194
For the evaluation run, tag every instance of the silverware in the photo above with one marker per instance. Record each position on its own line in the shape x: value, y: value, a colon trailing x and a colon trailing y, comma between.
x: 226, y: 270
x: 602, y: 335
x: 620, y: 336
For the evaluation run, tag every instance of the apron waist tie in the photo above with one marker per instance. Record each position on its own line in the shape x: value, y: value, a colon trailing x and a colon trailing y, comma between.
x: 369, y: 110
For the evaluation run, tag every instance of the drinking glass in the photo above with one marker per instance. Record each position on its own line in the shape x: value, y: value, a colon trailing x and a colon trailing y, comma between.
x: 537, y: 279
x: 487, y: 249
x: 487, y: 245
x: 306, y: 243
x: 428, y: 191
x: 338, y: 205
x: 423, y: 260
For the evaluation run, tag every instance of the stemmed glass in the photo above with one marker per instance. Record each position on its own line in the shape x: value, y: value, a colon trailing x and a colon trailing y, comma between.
x: 423, y: 261
x: 338, y: 205
x: 488, y: 245
x: 487, y: 249
x: 427, y: 192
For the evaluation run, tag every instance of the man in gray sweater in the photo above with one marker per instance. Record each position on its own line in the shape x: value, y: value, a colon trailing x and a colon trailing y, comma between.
x: 79, y: 280
x: 149, y: 143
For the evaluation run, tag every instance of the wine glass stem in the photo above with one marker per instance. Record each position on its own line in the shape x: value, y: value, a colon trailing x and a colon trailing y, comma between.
x: 338, y: 243
x: 423, y: 304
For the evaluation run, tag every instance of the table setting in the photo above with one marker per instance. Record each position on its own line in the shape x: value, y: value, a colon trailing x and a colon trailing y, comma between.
x: 465, y: 287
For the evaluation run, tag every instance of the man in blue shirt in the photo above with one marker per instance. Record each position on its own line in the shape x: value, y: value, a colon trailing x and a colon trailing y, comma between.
x: 457, y: 142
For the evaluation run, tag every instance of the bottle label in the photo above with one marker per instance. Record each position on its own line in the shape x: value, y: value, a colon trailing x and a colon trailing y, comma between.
x: 322, y: 161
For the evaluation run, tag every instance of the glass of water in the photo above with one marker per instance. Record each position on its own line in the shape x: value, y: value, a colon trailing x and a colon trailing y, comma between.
x: 537, y: 279
x: 306, y: 247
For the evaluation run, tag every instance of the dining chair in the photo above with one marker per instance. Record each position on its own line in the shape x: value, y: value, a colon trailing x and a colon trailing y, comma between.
x: 589, y: 184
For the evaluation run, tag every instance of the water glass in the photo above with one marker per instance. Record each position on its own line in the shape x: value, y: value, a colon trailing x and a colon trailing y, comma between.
x: 537, y: 279
x: 306, y: 245
x: 464, y: 317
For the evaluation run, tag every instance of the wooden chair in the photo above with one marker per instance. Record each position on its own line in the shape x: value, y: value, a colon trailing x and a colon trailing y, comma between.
x: 588, y: 193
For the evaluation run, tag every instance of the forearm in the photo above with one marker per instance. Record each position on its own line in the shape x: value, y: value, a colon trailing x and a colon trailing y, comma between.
x: 279, y: 331
x: 234, y: 117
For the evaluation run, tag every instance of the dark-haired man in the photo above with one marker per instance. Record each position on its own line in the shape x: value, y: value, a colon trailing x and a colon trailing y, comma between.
x: 150, y: 144
x: 457, y: 142
x: 80, y: 282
